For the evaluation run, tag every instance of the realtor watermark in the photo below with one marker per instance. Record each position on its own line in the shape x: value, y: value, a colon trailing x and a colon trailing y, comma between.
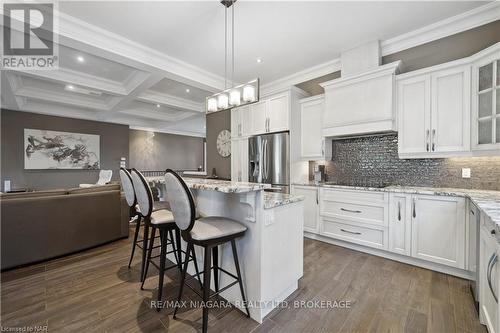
x: 39, y: 328
x: 30, y: 39
x: 222, y: 304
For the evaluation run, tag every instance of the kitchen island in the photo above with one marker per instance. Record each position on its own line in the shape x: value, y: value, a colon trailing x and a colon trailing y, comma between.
x: 270, y: 252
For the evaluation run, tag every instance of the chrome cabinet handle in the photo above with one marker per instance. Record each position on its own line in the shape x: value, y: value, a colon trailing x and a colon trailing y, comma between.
x: 427, y: 140
x: 472, y: 212
x: 351, y: 211
x: 350, y: 232
x: 491, y: 264
x: 399, y: 210
x: 414, y: 208
x: 317, y: 197
x: 433, y: 140
x: 323, y: 147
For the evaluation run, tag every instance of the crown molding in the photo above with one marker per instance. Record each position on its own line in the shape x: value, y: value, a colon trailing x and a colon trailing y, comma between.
x: 152, y: 96
x: 447, y: 27
x: 167, y: 131
x: 78, y: 30
x: 154, y: 115
x: 299, y: 77
x: 388, y: 69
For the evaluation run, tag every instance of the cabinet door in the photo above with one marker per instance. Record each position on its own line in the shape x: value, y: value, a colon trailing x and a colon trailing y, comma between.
x: 488, y: 280
x: 277, y: 113
x: 235, y: 160
x: 245, y: 123
x: 450, y: 110
x: 400, y: 223
x: 438, y: 229
x: 311, y: 136
x: 414, y: 102
x: 235, y: 123
x: 258, y: 116
x: 311, y: 206
x: 243, y: 163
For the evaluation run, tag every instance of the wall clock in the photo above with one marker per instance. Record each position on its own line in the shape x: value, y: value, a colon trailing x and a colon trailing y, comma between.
x: 224, y: 143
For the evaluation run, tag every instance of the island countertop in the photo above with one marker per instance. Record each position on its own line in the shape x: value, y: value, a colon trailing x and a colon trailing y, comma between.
x: 223, y: 186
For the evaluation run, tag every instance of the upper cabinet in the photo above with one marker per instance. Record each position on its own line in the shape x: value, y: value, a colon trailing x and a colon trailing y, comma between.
x: 240, y: 123
x: 434, y: 112
x: 486, y: 101
x: 361, y: 104
x: 270, y: 115
x: 311, y: 137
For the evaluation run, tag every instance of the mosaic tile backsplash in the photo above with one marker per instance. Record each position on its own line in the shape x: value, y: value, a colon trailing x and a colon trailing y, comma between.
x: 374, y: 161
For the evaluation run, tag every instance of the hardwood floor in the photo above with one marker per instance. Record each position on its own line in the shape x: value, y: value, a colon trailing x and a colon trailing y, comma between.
x: 94, y: 291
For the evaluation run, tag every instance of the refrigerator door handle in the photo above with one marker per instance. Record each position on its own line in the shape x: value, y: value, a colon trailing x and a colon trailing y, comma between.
x: 264, y: 160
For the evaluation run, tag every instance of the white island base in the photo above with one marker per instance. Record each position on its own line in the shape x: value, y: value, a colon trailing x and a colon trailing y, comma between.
x: 270, y: 252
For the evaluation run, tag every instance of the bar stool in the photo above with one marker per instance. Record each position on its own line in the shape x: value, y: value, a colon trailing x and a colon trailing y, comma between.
x: 130, y: 197
x: 207, y: 232
x: 162, y: 220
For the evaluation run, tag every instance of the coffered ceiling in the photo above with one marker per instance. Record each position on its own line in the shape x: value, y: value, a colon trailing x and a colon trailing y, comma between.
x: 151, y: 64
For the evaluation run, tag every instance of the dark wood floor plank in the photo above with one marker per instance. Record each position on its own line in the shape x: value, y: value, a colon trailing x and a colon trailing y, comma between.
x: 95, y: 291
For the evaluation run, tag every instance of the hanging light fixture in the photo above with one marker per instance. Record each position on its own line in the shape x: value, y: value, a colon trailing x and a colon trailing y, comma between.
x: 242, y: 94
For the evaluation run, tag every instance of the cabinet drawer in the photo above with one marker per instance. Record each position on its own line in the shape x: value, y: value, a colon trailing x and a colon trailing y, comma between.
x: 363, y: 213
x: 362, y: 206
x: 355, y: 234
x: 354, y: 196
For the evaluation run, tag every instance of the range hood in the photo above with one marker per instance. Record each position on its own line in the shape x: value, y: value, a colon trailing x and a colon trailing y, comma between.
x: 362, y: 101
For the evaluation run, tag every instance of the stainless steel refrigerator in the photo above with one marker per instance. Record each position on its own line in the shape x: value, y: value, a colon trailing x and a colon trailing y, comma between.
x: 269, y: 160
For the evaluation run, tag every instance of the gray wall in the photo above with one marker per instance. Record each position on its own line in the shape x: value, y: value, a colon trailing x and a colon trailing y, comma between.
x: 159, y: 151
x: 443, y: 50
x: 373, y: 161
x: 113, y: 138
x: 217, y: 122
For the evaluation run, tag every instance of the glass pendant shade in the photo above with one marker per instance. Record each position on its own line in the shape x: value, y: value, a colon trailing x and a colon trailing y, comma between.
x: 235, y: 97
x: 248, y: 93
x: 240, y: 95
x: 212, y: 104
x: 222, y: 101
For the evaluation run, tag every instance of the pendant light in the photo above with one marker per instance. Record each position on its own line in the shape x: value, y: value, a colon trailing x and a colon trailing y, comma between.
x: 239, y: 95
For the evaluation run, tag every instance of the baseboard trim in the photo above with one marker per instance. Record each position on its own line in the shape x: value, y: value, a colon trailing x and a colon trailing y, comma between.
x: 394, y: 256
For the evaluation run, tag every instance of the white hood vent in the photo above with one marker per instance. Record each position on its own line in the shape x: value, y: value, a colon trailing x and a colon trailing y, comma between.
x: 361, y: 101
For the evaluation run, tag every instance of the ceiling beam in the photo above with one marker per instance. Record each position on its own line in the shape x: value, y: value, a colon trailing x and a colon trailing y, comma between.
x: 156, y: 97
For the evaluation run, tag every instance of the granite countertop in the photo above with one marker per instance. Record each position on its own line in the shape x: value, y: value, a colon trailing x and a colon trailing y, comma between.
x: 274, y: 199
x: 223, y: 186
x: 487, y: 201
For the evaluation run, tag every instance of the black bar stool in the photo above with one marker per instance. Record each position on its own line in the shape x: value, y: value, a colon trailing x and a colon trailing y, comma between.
x: 207, y: 232
x: 161, y: 220
x: 130, y: 197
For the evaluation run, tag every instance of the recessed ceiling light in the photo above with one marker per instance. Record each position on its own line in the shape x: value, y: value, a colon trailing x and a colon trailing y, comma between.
x: 70, y: 87
x: 80, y: 59
x: 259, y: 60
x: 187, y: 90
x: 157, y: 105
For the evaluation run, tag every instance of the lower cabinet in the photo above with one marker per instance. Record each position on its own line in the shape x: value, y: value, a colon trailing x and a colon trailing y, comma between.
x: 311, y: 204
x: 438, y: 229
x: 427, y: 227
x: 488, y: 279
x: 400, y: 223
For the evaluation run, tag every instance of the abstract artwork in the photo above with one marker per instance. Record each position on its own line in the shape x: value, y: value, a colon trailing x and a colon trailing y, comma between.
x: 60, y: 150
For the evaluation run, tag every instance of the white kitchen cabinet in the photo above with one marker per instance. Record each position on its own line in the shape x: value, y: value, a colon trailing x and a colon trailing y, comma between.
x: 311, y: 206
x: 488, y: 279
x: 270, y: 114
x: 258, y: 116
x: 400, y: 223
x: 434, y: 112
x: 278, y: 113
x: 240, y: 122
x: 486, y: 101
x: 311, y: 136
x: 239, y: 160
x: 438, y: 229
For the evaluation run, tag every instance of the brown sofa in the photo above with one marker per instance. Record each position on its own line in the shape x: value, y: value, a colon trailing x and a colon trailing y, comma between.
x: 36, y: 226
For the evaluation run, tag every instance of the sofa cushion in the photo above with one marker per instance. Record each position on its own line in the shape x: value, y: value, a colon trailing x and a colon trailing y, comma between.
x: 94, y: 189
